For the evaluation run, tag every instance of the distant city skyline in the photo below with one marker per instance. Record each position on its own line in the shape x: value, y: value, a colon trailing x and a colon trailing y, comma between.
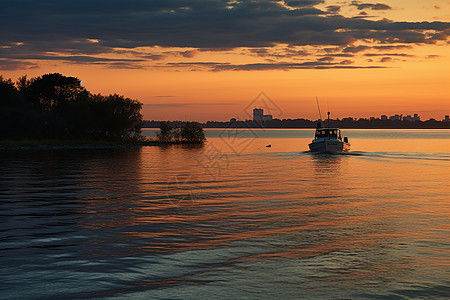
x: 259, y: 116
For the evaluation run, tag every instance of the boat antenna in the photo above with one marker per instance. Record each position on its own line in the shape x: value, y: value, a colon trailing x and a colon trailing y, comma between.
x: 318, y: 107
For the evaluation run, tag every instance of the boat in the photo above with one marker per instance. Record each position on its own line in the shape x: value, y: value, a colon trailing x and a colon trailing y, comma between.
x: 328, y: 139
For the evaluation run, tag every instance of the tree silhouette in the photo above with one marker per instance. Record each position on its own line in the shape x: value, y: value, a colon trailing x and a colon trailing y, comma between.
x: 164, y: 135
x: 56, y: 106
x: 51, y: 90
x: 192, y: 132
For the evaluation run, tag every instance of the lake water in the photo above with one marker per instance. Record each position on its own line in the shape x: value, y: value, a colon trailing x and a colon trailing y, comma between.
x: 232, y: 219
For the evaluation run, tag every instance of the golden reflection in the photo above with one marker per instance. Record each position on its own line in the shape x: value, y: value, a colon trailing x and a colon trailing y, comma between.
x: 297, y: 204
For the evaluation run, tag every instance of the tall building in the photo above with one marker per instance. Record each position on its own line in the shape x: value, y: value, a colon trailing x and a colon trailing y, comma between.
x: 259, y: 116
x: 447, y: 119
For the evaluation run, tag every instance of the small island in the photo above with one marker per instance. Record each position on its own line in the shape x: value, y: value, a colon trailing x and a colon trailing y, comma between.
x: 56, y: 110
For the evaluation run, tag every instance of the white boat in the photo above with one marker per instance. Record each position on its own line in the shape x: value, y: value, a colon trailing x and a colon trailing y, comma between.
x: 328, y: 140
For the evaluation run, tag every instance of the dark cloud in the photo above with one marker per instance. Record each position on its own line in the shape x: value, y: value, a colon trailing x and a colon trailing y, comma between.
x: 326, y: 59
x: 189, y: 53
x: 346, y: 62
x: 392, y: 47
x: 177, y: 23
x: 355, y: 49
x: 78, y: 29
x: 12, y: 65
x: 277, y: 53
x: 154, y: 56
x: 334, y: 9
x: 386, y: 59
x: 216, y: 67
x: 11, y: 53
x: 341, y: 55
x: 303, y: 3
x: 388, y: 54
x: 377, y: 6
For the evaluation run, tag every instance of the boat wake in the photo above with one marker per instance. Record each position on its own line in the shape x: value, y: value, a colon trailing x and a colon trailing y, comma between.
x: 372, y: 155
x: 408, y: 155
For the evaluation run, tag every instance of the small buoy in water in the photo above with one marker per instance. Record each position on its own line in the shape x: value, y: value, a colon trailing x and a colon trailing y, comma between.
x: 268, y: 146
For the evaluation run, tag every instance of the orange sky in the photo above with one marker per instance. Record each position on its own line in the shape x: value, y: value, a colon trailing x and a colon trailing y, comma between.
x: 361, y: 78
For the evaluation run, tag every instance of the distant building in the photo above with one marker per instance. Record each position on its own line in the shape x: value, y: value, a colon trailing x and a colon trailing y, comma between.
x: 267, y: 118
x: 259, y: 116
x: 395, y: 117
x: 232, y: 120
x: 408, y: 118
x: 384, y: 117
x: 447, y: 119
x: 416, y: 118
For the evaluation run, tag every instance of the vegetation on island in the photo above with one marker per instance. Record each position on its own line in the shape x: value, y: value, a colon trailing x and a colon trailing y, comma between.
x: 191, y: 133
x: 57, y: 107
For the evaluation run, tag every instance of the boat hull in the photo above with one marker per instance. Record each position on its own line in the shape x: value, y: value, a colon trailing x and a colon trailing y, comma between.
x: 329, y: 146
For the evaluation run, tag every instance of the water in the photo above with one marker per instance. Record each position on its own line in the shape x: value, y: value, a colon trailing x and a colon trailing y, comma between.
x: 231, y: 219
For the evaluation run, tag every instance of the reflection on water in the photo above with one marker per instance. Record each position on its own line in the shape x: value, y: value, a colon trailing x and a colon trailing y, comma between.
x: 204, y: 222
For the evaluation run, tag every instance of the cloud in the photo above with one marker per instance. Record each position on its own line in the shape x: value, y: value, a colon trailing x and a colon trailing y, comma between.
x: 389, y: 54
x: 392, y: 47
x: 27, y: 56
x: 303, y: 3
x: 355, y: 49
x: 346, y: 62
x: 206, y: 24
x: 334, y: 9
x: 12, y: 65
x: 103, y: 29
x: 326, y: 59
x: 377, y: 6
x: 190, y: 53
x: 154, y: 56
x: 284, y: 66
x: 386, y: 59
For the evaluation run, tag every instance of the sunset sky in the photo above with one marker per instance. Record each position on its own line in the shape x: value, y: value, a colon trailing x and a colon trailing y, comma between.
x: 209, y: 59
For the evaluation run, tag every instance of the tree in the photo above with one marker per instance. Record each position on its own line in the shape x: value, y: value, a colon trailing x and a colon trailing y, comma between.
x: 56, y: 106
x: 9, y: 108
x: 165, y: 132
x: 51, y: 90
x: 192, y: 132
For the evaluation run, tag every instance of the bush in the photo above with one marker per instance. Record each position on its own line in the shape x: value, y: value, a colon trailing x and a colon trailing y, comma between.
x: 191, y: 133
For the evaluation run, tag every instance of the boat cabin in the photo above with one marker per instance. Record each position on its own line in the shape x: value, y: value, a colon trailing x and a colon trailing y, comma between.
x: 328, y: 133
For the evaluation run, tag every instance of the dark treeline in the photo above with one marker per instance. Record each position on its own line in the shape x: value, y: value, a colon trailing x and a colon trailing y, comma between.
x: 303, y: 123
x: 54, y: 106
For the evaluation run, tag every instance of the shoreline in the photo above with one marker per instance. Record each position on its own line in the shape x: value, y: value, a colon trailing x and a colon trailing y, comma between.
x: 69, y: 145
